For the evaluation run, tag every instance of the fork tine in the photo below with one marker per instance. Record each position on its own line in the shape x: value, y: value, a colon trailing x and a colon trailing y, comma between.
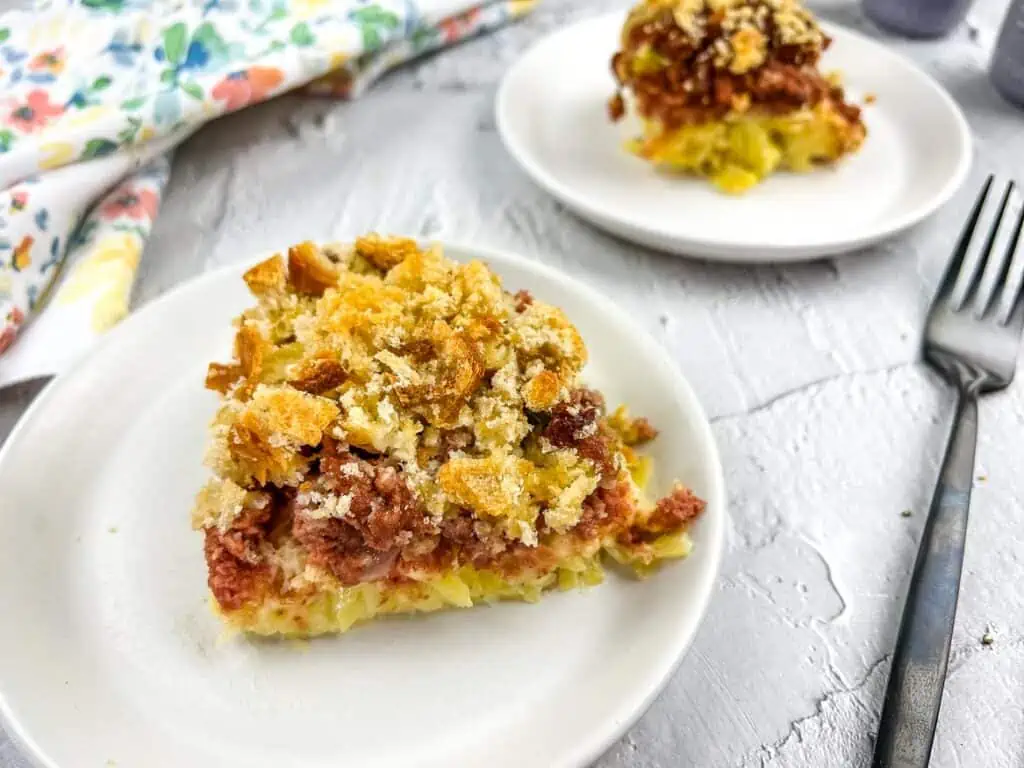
x: 1013, y: 275
x: 1001, y: 243
x: 956, y: 263
x: 980, y: 269
x: 1015, y: 320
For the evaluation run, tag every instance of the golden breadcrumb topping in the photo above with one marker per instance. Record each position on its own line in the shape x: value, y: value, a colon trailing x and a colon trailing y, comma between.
x: 386, y: 347
x: 738, y: 33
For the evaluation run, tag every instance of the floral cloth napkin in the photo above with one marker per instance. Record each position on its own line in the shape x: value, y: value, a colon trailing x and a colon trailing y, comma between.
x: 94, y: 94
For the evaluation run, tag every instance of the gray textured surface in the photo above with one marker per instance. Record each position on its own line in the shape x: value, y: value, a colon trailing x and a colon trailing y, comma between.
x: 829, y: 427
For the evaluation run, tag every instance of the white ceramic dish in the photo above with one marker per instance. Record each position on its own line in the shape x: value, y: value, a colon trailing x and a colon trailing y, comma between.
x: 552, y: 117
x: 109, y: 650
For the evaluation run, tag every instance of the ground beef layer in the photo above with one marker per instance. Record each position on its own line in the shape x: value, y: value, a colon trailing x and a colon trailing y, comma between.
x: 385, y: 535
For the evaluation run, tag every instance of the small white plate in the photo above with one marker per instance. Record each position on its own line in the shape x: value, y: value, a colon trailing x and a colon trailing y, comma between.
x: 109, y: 650
x: 552, y: 117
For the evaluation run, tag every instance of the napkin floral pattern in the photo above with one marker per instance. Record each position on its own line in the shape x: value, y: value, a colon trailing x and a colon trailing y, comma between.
x: 110, y: 241
x: 111, y: 85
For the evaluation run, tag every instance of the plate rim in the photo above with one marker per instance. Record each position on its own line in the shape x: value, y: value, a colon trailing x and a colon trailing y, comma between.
x: 722, y: 249
x: 602, y: 736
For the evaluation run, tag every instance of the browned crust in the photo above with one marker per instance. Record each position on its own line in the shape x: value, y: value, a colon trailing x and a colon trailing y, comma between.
x: 221, y: 377
x: 457, y: 370
x: 319, y: 376
x: 249, y: 344
x: 385, y: 253
x: 309, y: 271
x: 266, y: 277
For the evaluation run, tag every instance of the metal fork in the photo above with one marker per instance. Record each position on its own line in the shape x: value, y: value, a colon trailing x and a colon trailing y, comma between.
x: 971, y: 337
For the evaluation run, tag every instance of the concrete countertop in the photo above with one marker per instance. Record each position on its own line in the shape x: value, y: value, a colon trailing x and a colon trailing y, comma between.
x: 829, y: 425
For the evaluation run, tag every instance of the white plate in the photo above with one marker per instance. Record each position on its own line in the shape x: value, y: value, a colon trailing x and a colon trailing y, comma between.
x: 109, y: 650
x: 552, y: 117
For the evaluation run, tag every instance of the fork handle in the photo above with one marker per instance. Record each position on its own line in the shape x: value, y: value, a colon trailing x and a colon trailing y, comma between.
x: 911, y: 708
